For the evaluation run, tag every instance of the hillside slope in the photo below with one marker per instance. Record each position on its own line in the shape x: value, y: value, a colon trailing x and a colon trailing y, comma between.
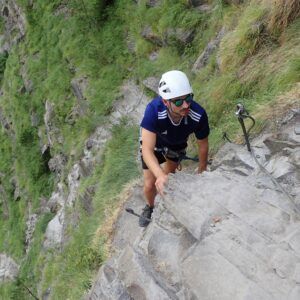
x: 75, y: 76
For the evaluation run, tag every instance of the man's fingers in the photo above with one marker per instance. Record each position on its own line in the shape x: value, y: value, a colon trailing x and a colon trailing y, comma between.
x: 159, y: 189
x: 160, y: 184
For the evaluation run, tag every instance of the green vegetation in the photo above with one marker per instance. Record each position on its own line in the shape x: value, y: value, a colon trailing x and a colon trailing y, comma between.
x: 86, y: 251
x: 3, y: 58
x: 102, y: 45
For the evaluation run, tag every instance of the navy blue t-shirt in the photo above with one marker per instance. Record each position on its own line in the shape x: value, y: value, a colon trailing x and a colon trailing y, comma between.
x: 168, y: 134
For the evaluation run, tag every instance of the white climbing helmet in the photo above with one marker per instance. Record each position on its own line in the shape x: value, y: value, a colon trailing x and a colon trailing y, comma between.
x: 174, y: 84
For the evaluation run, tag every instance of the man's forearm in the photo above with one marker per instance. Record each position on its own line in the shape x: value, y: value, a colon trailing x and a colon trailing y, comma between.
x: 202, y: 163
x: 203, y: 154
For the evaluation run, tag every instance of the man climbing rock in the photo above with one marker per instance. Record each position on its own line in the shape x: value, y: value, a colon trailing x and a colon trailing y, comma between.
x: 168, y: 121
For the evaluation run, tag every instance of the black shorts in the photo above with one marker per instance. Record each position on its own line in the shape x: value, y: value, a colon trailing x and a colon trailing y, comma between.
x: 163, y: 155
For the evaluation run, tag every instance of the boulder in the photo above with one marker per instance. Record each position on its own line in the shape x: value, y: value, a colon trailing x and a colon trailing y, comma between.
x: 8, y: 268
x: 57, y: 199
x: 63, y: 10
x: 51, y: 131
x: 182, y: 36
x: 55, y: 231
x: 203, y: 59
x: 205, y: 8
x: 14, y: 24
x: 152, y: 83
x: 79, y: 86
x: 153, y: 56
x: 148, y: 34
x: 196, y: 3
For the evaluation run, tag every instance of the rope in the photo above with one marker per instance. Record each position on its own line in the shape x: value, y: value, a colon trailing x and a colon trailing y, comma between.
x: 273, y: 179
x: 242, y: 114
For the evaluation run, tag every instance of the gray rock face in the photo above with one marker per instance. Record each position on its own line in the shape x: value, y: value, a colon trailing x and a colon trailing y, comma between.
x: 202, y: 60
x: 28, y: 84
x: 3, y: 120
x: 225, y: 234
x: 8, y: 268
x: 205, y: 8
x: 16, y: 187
x: 170, y: 35
x: 181, y: 35
x: 14, y: 21
x: 131, y: 104
x: 63, y: 10
x: 4, y: 202
x: 196, y: 2
x: 153, y: 56
x: 55, y: 228
x: 152, y: 83
x: 153, y: 3
x: 52, y: 132
x: 79, y: 86
x: 149, y: 35
x: 30, y: 227
x: 55, y: 231
x: 57, y: 163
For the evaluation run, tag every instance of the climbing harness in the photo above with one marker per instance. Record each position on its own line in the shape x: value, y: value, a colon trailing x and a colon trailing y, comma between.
x: 242, y: 114
x: 178, y: 155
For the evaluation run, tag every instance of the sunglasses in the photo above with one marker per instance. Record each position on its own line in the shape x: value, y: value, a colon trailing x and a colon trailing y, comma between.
x: 179, y: 101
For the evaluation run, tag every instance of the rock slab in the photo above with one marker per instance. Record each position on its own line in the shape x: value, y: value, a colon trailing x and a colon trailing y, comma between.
x: 225, y: 234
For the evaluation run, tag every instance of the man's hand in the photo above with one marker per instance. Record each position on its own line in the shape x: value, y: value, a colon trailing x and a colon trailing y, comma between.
x: 160, y: 183
x: 202, y: 168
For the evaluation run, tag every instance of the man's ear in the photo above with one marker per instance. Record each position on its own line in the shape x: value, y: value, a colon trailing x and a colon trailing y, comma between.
x: 165, y: 102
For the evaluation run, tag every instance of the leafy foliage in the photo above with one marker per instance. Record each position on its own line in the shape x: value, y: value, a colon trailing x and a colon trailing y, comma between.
x: 101, y: 41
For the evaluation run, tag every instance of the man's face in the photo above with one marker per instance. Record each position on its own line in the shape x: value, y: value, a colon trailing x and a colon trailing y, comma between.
x: 181, y: 105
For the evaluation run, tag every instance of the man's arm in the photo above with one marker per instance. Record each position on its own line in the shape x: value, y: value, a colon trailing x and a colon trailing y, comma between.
x: 203, y: 154
x: 148, y: 145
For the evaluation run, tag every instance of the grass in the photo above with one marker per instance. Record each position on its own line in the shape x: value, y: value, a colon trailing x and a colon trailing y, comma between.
x: 30, y: 272
x: 283, y: 13
x: 245, y: 39
x: 256, y: 78
x: 257, y: 63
